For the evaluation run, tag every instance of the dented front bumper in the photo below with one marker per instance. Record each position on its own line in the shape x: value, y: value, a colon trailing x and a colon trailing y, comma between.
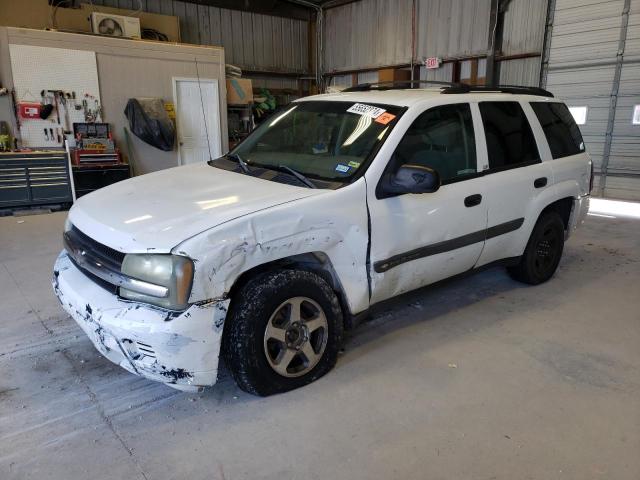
x: 180, y: 349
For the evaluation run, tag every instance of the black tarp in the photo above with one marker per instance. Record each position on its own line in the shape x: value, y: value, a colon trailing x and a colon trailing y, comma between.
x: 148, y: 120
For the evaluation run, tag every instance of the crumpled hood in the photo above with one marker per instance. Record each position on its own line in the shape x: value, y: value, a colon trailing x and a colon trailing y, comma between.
x: 157, y: 211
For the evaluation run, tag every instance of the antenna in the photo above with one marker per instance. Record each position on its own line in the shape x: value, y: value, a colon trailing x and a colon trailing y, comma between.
x: 204, y: 117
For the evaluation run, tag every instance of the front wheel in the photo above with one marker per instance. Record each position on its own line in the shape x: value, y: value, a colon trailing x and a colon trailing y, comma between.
x: 544, y: 250
x: 284, y: 331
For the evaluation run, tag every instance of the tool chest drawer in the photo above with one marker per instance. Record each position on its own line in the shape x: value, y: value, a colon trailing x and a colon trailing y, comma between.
x: 34, y: 179
x: 90, y: 178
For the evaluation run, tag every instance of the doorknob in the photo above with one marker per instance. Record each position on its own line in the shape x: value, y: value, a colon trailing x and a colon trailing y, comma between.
x: 473, y: 200
x: 540, y: 182
x: 181, y: 143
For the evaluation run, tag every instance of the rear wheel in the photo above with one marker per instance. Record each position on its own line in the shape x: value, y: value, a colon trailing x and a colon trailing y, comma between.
x: 544, y: 250
x: 284, y: 331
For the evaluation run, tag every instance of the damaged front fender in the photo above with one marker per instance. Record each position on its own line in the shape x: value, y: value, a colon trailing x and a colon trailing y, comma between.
x: 337, y: 228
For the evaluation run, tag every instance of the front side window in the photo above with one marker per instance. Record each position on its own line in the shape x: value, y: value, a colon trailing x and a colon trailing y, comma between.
x: 510, y: 141
x: 560, y: 129
x: 442, y: 139
x: 323, y: 140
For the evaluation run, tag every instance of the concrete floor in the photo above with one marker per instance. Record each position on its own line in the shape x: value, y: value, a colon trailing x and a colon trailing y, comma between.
x: 480, y: 378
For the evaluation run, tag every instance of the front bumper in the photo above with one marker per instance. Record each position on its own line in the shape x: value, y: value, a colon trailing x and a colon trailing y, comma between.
x: 180, y: 349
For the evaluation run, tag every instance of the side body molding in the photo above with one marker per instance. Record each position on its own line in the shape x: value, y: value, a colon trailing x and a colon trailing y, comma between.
x: 448, y: 245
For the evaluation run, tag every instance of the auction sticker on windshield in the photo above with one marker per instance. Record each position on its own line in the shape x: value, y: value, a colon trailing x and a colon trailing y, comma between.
x: 385, y: 118
x: 366, y: 110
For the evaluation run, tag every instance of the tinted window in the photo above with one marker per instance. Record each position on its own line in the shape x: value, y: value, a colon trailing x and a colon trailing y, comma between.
x: 563, y: 135
x: 442, y: 139
x: 510, y: 141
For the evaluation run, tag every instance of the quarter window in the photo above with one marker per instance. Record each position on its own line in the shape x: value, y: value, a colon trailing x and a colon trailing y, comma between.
x: 510, y: 141
x: 560, y: 129
x: 442, y: 139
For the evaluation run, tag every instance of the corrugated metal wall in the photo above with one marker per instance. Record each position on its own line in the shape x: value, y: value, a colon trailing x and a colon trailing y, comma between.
x: 523, y: 30
x: 523, y: 33
x: 374, y: 33
x: 521, y: 71
x: 367, y: 34
x: 452, y: 28
x: 593, y: 62
x: 250, y: 40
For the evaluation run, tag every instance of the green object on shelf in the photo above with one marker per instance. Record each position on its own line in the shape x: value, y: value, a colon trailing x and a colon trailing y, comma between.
x: 269, y: 104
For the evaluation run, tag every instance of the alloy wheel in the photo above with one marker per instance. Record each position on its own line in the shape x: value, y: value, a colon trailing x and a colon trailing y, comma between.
x: 295, y: 337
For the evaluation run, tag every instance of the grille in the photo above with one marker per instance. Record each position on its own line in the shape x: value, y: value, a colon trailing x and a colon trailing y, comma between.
x: 108, y: 256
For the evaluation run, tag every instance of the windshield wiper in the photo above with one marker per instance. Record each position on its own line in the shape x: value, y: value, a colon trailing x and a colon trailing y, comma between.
x: 296, y: 174
x: 241, y: 162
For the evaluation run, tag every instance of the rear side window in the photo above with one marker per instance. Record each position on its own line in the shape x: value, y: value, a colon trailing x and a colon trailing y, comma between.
x: 510, y: 141
x: 563, y: 135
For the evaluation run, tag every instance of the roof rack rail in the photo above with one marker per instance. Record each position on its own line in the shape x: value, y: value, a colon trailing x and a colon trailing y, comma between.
x: 514, y: 89
x: 450, y: 87
x: 398, y: 85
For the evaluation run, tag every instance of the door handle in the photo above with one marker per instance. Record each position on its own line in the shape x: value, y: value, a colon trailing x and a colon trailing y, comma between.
x: 473, y: 200
x: 540, y: 182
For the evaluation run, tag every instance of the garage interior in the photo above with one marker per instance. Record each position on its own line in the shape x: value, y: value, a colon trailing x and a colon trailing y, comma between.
x: 479, y: 377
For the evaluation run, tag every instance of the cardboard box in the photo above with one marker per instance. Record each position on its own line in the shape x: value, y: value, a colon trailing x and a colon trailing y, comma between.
x: 393, y: 75
x: 239, y: 91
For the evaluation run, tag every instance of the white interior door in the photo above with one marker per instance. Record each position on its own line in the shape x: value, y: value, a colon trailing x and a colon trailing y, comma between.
x: 197, y: 113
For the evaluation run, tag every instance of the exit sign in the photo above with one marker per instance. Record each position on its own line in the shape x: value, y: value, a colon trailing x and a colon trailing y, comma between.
x: 432, y: 62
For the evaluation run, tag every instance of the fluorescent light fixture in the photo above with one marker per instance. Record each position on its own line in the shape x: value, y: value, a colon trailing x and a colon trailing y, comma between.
x: 635, y: 120
x: 579, y: 114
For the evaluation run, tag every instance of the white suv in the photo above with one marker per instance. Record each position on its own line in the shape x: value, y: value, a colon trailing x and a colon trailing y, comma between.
x: 264, y: 256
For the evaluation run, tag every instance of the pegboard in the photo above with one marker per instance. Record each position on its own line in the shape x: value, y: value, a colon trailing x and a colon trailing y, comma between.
x: 44, y: 68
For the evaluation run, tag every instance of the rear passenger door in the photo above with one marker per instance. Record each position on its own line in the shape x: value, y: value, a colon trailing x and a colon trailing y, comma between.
x: 514, y: 175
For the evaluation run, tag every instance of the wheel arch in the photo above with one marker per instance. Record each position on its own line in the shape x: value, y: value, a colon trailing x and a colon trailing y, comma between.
x: 563, y: 207
x: 315, y: 262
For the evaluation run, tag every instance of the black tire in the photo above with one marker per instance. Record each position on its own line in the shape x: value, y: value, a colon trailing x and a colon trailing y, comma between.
x: 544, y: 250
x: 244, y: 342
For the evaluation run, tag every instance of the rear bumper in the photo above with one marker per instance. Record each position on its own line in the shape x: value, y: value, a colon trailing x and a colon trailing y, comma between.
x: 180, y: 349
x: 578, y: 214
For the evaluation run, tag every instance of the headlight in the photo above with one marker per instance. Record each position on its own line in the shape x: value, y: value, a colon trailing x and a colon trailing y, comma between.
x: 171, y: 271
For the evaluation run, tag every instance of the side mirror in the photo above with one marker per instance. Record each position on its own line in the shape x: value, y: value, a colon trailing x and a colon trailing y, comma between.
x: 411, y: 179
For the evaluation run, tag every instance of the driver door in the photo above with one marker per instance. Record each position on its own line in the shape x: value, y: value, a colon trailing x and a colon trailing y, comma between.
x: 418, y: 239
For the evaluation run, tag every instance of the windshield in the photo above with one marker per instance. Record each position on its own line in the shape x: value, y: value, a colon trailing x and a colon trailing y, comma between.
x: 319, y: 139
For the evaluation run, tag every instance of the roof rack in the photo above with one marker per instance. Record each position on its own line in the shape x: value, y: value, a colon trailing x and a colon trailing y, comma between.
x: 398, y: 85
x: 514, y: 89
x: 450, y: 87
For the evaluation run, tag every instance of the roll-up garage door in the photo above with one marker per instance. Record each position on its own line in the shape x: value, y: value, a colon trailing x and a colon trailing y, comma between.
x: 592, y: 61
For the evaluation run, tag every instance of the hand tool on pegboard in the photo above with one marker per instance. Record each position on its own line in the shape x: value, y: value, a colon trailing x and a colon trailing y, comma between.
x: 15, y: 108
x: 57, y: 104
x: 64, y: 100
x: 76, y: 105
